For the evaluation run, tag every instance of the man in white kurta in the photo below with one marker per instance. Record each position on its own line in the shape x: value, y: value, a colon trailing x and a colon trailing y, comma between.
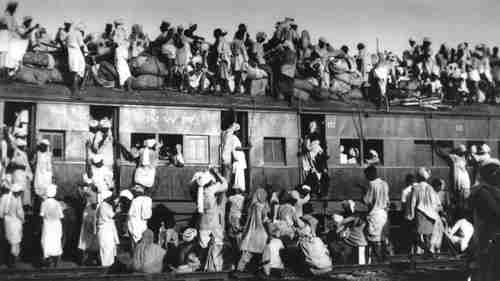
x: 12, y: 213
x: 147, y: 156
x: 43, y: 170
x: 74, y: 44
x: 230, y: 142
x: 120, y: 38
x: 107, y: 235
x: 138, y: 215
x: 51, y: 212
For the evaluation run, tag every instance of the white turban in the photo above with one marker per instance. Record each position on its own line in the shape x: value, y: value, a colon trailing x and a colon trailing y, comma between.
x: 105, y: 123
x: 51, y: 190
x: 106, y: 194
x: 93, y: 123
x: 45, y: 141
x: 127, y: 194
x: 16, y: 187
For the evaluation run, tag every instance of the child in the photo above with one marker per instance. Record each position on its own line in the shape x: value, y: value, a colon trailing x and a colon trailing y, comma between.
x: 52, y: 213
x: 271, y: 259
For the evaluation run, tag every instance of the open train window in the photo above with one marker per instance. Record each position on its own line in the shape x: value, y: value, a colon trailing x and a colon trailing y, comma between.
x: 474, y: 145
x: 170, y: 143
x: 137, y: 139
x: 274, y: 151
x: 373, y: 149
x: 57, y: 142
x: 349, y: 150
x: 423, y: 153
x: 446, y: 146
x: 319, y: 120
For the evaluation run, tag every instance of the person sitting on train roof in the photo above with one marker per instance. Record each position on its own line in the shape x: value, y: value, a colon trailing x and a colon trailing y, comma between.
x: 377, y: 199
x: 122, y: 44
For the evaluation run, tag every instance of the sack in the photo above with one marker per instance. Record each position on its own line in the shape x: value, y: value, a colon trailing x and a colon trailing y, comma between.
x: 143, y: 65
x: 255, y: 73
x: 39, y: 76
x: 301, y: 94
x: 148, y: 82
x: 39, y: 59
x: 257, y: 87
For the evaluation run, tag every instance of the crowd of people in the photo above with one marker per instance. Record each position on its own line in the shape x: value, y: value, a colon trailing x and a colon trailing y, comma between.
x: 290, y: 63
x: 266, y: 230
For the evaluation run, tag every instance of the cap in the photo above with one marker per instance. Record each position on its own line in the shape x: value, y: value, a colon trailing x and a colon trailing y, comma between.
x: 45, y: 141
x: 127, y: 194
x: 51, y: 190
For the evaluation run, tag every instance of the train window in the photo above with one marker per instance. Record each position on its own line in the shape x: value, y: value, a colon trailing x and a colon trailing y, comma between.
x: 474, y: 145
x: 373, y: 152
x: 171, y: 143
x: 196, y: 149
x: 137, y: 139
x: 101, y: 112
x: 445, y: 145
x: 349, y: 150
x: 274, y: 151
x: 423, y: 153
x: 57, y: 143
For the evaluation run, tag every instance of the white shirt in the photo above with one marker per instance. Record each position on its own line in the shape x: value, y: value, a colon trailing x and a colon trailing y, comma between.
x: 139, y: 213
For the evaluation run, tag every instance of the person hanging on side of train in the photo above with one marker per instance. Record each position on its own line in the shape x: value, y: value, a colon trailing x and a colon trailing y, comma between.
x: 459, y: 175
x: 125, y: 199
x: 210, y: 184
x: 103, y: 143
x: 255, y: 234
x: 424, y: 208
x: 21, y: 172
x: 377, y: 199
x: 76, y: 50
x: 52, y: 232
x: 239, y: 167
x: 88, y: 242
x: 146, y: 159
x: 138, y: 215
x: 107, y: 235
x: 12, y: 215
x: 148, y: 257
x: 314, y: 162
x: 230, y: 145
x: 485, y: 202
x: 101, y: 177
x: 43, y: 170
x: 122, y: 44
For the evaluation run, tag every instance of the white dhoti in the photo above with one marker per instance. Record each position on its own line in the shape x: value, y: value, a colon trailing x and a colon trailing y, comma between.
x: 13, y: 229
x: 136, y: 227
x: 376, y: 220
x: 122, y: 67
x: 76, y: 61
x: 52, y: 238
x: 108, y: 239
x: 16, y: 50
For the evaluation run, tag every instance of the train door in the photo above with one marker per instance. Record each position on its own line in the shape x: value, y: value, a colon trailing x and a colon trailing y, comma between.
x: 229, y: 117
x: 22, y: 116
x: 305, y: 125
x: 111, y: 113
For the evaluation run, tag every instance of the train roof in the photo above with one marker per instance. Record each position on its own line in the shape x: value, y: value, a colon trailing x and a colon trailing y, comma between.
x: 16, y: 91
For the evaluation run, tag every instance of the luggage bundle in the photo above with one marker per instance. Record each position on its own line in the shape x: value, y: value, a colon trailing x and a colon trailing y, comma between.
x: 39, y: 76
x: 427, y: 102
x: 149, y: 72
x: 39, y: 59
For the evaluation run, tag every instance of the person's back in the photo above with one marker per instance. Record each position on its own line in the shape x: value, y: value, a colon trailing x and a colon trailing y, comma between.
x: 148, y: 257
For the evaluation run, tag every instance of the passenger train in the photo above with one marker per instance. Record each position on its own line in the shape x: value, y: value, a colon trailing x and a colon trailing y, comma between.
x: 271, y: 133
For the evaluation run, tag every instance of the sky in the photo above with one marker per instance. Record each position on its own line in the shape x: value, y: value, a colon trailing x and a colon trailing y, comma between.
x: 341, y: 22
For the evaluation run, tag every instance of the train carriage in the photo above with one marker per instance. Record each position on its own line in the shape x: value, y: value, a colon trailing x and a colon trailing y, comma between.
x: 271, y: 134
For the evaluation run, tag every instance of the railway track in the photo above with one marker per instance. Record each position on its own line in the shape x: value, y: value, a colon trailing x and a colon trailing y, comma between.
x: 401, y: 266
